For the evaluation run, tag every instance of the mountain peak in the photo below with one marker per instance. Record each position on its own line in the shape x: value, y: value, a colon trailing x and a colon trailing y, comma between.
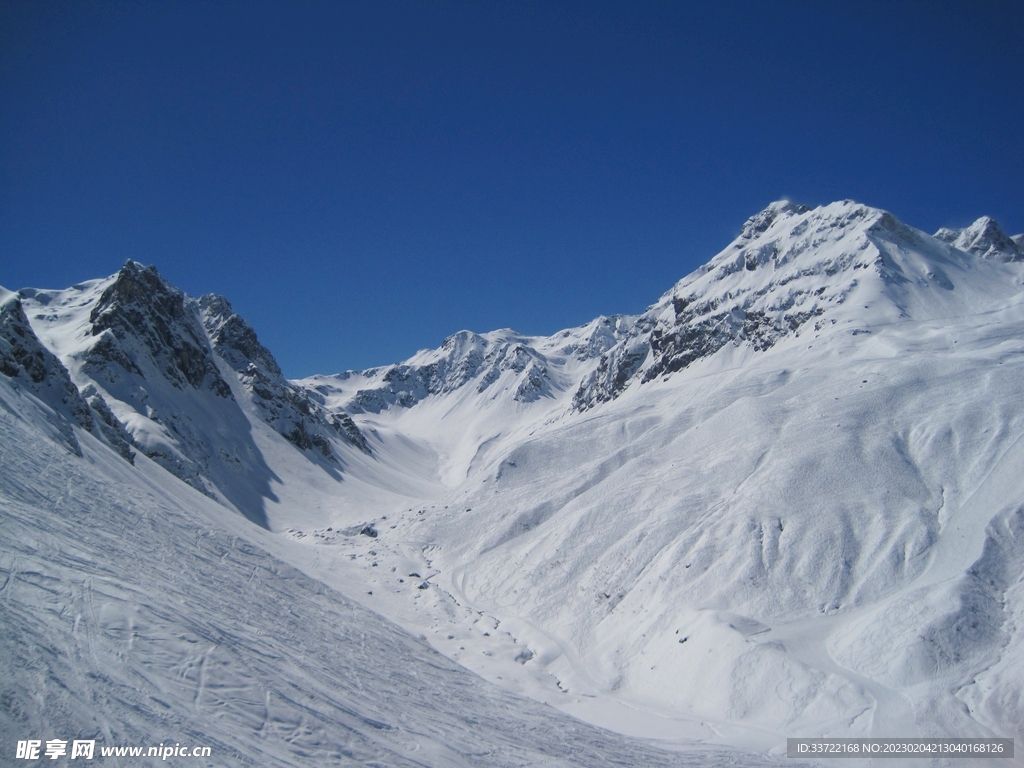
x: 136, y: 281
x: 139, y: 304
x: 983, y: 238
x: 284, y: 406
x: 792, y: 269
x: 233, y: 338
x: 760, y: 222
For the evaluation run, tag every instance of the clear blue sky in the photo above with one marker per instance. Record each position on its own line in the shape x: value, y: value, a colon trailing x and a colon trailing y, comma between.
x: 363, y: 179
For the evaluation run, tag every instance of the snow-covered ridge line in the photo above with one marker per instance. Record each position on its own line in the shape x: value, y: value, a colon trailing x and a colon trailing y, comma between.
x: 283, y: 405
x: 790, y: 268
x: 175, y: 377
x: 501, y: 364
x: 781, y: 501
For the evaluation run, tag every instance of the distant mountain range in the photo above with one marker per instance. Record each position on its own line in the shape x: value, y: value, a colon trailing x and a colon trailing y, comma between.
x: 786, y: 500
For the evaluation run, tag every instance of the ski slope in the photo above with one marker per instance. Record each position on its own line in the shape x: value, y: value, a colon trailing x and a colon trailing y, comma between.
x: 138, y: 611
x: 726, y: 547
x: 786, y: 500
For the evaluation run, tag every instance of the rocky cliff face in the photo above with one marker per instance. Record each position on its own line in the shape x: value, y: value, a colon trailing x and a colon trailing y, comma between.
x: 141, y: 348
x: 283, y: 405
x: 789, y: 272
x: 984, y: 238
x: 145, y: 327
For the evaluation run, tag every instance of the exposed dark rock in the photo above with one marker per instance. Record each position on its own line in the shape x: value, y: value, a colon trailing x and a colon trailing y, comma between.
x: 109, y: 425
x: 139, y: 305
x: 25, y: 360
x: 284, y: 406
x: 343, y: 423
x: 467, y: 357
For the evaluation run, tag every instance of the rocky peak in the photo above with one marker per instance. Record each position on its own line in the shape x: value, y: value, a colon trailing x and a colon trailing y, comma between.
x: 790, y: 267
x: 233, y: 338
x: 984, y: 238
x: 759, y: 223
x: 283, y: 405
x: 149, y: 318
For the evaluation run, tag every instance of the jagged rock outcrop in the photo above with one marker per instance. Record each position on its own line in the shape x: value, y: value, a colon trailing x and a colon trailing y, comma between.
x: 108, y: 424
x: 25, y: 359
x: 147, y: 336
x: 141, y: 309
x: 284, y: 406
x: 464, y: 359
x: 984, y: 238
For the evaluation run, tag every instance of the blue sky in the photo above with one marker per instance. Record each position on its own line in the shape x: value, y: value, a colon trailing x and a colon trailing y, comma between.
x: 363, y: 179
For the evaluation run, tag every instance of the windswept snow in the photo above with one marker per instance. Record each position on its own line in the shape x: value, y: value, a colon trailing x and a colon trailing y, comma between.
x: 786, y: 500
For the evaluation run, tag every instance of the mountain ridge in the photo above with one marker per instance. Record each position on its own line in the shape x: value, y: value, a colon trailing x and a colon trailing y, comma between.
x: 658, y: 342
x: 781, y: 500
x: 157, y: 364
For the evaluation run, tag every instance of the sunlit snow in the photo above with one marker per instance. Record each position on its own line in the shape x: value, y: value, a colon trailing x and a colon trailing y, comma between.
x: 787, y: 500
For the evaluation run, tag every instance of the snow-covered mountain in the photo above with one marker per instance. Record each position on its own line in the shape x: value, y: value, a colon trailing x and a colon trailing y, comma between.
x: 794, y: 271
x: 786, y: 500
x: 136, y: 611
x: 163, y: 363
x: 984, y: 238
x: 26, y: 362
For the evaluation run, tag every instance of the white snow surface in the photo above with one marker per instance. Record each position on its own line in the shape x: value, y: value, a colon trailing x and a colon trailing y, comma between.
x: 137, y: 611
x: 787, y: 500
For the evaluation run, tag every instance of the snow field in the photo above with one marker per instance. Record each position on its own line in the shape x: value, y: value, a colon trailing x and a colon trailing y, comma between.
x: 785, y: 501
x: 137, y: 610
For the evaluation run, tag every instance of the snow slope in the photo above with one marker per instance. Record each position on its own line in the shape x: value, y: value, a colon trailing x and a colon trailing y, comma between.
x: 805, y: 452
x: 786, y: 500
x: 137, y: 611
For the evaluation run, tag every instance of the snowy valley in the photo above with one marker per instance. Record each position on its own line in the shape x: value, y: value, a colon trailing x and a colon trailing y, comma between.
x: 786, y: 500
